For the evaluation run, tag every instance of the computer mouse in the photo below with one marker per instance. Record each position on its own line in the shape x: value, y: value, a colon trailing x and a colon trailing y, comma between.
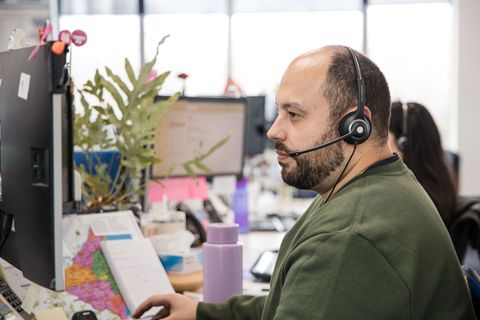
x: 84, y: 315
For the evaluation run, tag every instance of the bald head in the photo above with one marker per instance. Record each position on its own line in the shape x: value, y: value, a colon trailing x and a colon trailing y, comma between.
x: 302, y: 82
x: 312, y: 67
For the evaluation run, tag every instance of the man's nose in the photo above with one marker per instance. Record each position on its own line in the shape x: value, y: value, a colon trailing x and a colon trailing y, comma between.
x: 276, y: 131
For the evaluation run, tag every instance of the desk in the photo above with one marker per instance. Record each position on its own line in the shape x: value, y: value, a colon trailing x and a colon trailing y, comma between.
x: 255, y: 243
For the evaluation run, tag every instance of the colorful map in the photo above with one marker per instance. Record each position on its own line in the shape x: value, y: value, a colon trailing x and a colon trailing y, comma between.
x: 89, y: 283
x: 90, y: 279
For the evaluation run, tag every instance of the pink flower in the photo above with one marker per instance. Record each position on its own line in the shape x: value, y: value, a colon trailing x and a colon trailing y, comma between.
x: 151, y: 75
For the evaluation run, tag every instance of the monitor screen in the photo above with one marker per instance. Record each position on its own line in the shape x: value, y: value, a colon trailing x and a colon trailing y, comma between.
x: 192, y: 126
x: 36, y: 162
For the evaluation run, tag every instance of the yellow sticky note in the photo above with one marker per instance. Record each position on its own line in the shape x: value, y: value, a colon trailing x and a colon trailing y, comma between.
x: 31, y: 297
x: 51, y: 314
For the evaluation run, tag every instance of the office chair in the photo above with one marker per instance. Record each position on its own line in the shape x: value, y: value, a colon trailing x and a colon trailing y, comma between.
x: 473, y: 283
x: 465, y: 230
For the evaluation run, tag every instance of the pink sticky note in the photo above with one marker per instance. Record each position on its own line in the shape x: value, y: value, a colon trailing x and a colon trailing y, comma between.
x: 199, y: 188
x: 178, y: 189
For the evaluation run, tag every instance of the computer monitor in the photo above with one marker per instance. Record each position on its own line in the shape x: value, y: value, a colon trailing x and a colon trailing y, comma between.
x: 192, y: 125
x: 36, y: 161
x: 256, y: 126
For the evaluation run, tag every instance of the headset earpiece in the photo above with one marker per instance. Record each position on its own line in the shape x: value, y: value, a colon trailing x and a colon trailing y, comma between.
x: 361, y: 128
x: 356, y: 124
x: 402, y: 141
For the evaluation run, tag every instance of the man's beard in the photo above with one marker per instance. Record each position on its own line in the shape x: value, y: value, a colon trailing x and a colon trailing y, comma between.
x: 312, y: 168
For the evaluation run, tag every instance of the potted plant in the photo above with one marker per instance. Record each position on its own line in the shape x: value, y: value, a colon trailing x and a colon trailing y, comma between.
x: 121, y: 114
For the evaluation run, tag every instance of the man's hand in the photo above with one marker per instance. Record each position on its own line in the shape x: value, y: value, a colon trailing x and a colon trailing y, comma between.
x: 179, y: 306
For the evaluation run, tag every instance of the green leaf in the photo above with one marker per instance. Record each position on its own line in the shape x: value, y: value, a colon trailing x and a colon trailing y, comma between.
x: 202, y: 167
x: 188, y: 169
x: 161, y: 42
x: 118, y: 81
x: 157, y: 82
x: 114, y: 92
x: 130, y: 73
x: 97, y: 78
x: 100, y: 110
x: 212, y: 149
x: 147, y: 68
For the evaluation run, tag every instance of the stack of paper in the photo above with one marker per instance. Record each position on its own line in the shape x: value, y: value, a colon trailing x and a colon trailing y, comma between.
x: 137, y: 270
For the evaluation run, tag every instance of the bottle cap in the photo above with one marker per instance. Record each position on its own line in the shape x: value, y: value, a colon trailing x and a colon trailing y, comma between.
x: 222, y: 233
x: 242, y: 183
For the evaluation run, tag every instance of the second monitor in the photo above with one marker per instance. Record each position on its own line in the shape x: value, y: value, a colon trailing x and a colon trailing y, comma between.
x: 192, y: 126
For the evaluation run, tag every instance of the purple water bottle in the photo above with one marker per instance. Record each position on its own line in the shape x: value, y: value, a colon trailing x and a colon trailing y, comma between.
x: 222, y: 263
x: 240, y: 206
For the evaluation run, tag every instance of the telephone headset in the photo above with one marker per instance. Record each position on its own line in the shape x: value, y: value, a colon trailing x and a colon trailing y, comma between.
x: 402, y: 141
x: 354, y: 127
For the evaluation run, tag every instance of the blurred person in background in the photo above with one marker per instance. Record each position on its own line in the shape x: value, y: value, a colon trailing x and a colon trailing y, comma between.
x: 414, y: 135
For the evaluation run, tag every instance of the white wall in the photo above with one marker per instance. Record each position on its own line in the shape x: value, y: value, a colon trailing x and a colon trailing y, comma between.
x: 467, y: 60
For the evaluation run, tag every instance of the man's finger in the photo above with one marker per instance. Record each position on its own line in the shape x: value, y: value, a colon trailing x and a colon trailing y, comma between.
x: 161, y: 314
x: 160, y: 300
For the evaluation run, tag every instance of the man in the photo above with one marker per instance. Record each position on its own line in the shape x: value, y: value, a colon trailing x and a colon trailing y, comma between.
x: 373, y: 245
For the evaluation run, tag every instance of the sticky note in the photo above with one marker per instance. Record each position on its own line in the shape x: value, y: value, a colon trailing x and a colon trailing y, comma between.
x: 178, y: 189
x: 31, y: 297
x: 24, y: 86
x: 51, y: 314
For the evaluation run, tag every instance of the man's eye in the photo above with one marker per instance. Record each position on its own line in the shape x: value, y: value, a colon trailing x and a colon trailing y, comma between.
x: 292, y: 115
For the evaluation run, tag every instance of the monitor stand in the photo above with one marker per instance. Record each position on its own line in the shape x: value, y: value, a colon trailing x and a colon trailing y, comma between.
x: 11, y: 305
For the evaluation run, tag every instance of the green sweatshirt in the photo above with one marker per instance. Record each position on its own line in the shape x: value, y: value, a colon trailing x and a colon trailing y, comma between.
x: 376, y: 250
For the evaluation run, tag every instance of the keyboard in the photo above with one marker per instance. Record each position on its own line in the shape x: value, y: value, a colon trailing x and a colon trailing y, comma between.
x: 11, y: 305
x: 273, y: 222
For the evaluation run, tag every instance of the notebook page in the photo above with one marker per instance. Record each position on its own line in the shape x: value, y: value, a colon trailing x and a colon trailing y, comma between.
x: 137, y: 270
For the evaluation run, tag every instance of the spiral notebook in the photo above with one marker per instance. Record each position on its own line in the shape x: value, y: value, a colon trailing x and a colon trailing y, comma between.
x: 137, y: 270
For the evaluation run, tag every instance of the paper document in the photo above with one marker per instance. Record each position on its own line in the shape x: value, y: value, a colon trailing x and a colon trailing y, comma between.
x: 86, y: 269
x: 108, y: 224
x: 51, y: 314
x: 137, y: 271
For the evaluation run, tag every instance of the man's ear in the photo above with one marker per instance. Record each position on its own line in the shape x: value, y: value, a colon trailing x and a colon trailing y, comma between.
x: 368, y: 113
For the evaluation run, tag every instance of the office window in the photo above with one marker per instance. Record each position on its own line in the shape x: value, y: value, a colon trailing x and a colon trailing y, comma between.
x: 186, y: 6
x: 412, y: 44
x: 111, y: 38
x: 264, y: 43
x: 28, y: 16
x: 98, y: 7
x: 197, y: 46
x: 295, y: 5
